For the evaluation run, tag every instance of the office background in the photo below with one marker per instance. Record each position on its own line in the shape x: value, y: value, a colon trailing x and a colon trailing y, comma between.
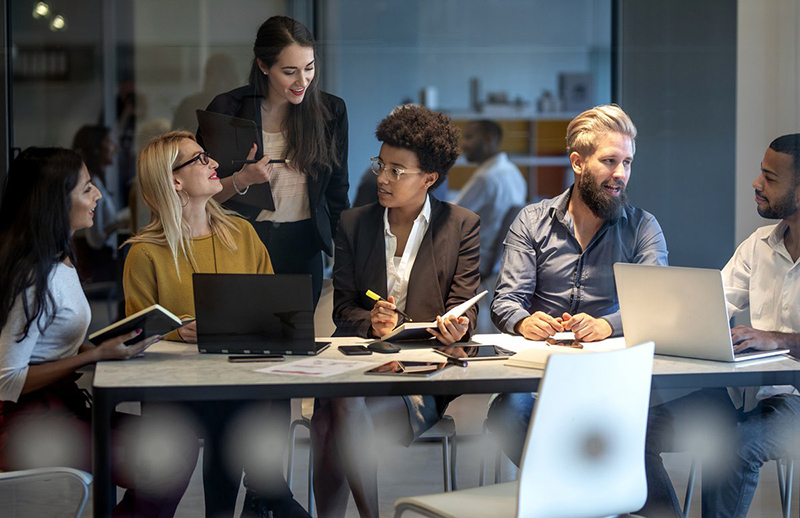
x: 708, y: 84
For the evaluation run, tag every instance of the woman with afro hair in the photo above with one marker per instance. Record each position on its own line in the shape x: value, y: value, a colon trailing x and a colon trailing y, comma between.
x: 422, y: 256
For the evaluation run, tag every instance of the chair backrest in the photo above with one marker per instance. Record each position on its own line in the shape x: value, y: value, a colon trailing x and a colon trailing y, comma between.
x: 584, y: 454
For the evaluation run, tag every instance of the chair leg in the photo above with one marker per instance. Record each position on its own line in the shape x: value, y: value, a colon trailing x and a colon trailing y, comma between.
x: 446, y: 463
x: 453, y: 457
x: 498, y: 467
x: 290, y: 458
x: 787, y: 488
x: 687, y: 501
x: 482, y: 474
x: 310, y: 480
x: 84, y: 500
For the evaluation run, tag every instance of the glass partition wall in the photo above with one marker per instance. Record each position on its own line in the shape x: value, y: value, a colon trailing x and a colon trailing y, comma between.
x: 140, y: 67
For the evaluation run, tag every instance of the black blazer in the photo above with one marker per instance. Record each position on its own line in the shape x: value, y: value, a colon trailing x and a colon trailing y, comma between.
x: 328, y: 192
x: 445, y: 272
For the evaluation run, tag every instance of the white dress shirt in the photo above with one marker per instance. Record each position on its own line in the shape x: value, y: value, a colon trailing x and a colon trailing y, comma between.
x: 398, y: 269
x: 496, y: 185
x: 762, y: 277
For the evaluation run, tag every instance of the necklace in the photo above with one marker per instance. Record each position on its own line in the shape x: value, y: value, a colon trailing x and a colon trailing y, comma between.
x: 213, y: 251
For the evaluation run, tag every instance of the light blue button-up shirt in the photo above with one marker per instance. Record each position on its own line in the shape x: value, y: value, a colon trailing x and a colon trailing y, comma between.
x: 544, y: 269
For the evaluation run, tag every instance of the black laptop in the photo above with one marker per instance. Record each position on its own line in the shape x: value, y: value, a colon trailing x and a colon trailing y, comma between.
x: 255, y: 314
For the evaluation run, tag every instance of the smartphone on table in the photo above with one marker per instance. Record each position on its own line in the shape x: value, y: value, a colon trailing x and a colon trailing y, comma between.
x: 475, y: 352
x: 354, y: 350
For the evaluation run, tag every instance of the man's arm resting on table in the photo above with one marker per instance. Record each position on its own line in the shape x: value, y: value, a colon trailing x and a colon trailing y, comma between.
x: 745, y: 337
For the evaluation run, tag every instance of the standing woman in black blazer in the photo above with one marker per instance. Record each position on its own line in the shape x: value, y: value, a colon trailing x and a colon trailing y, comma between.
x: 422, y: 256
x: 303, y: 125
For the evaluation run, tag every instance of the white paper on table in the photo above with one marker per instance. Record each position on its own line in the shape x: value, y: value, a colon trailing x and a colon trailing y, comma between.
x: 315, y: 367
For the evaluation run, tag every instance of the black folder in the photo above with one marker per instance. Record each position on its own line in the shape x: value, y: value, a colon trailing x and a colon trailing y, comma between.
x: 227, y: 139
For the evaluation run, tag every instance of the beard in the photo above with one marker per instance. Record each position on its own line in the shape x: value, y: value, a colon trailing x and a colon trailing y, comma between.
x: 602, y: 204
x: 783, y: 207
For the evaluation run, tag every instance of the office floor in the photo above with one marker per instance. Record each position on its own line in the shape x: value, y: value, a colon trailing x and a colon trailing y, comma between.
x: 404, y: 471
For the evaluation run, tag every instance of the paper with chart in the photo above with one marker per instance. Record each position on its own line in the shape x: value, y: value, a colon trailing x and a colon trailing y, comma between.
x: 316, y: 367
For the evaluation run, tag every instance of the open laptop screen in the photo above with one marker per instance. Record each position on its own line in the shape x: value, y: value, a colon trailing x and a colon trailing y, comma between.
x: 249, y: 313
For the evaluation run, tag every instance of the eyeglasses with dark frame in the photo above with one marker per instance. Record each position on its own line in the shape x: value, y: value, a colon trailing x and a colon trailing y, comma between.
x: 203, y: 157
x: 377, y: 166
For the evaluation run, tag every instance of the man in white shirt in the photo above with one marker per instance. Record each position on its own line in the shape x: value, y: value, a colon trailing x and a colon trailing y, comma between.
x: 495, y: 186
x: 758, y: 424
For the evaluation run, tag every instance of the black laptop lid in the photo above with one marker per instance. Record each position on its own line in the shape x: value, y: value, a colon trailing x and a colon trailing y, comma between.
x: 254, y: 313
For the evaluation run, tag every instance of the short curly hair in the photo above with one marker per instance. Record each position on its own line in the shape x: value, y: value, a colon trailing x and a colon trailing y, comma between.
x: 429, y: 134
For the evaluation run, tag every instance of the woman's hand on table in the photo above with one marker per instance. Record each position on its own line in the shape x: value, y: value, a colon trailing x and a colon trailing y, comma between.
x: 451, y: 329
x: 115, y: 348
x: 383, y: 317
x: 188, y: 333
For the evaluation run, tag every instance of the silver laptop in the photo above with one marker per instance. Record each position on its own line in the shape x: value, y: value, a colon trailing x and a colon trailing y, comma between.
x: 682, y: 310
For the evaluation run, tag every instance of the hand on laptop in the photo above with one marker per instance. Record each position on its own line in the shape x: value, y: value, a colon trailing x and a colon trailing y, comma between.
x: 539, y: 326
x: 748, y: 338
x: 586, y: 328
x: 188, y: 333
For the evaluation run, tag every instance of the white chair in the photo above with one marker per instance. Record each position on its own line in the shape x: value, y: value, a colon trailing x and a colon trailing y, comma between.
x: 584, y: 455
x: 83, y: 478
x: 785, y: 482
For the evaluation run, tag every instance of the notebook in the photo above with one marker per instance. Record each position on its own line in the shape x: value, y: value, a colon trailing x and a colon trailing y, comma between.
x: 227, y: 139
x: 255, y: 314
x: 682, y: 310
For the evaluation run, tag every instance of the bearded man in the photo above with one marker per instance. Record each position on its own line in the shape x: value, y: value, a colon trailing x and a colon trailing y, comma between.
x: 556, y: 273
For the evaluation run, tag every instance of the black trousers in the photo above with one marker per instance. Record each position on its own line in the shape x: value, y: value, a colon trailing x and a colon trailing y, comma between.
x: 293, y: 248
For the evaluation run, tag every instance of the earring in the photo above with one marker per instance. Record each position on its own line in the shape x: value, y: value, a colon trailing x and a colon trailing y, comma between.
x: 187, y: 198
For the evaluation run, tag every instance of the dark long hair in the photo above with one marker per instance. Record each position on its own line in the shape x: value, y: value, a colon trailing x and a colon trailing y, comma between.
x: 88, y: 142
x: 35, y: 231
x: 309, y: 144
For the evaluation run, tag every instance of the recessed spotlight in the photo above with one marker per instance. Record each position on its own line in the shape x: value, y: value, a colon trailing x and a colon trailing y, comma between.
x: 41, y: 10
x: 58, y: 23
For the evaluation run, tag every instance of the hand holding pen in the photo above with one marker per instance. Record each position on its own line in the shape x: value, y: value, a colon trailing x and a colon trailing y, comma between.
x: 254, y: 171
x: 377, y: 298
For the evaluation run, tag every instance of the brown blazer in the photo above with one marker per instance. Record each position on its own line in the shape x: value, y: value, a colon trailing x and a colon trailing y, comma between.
x: 445, y: 272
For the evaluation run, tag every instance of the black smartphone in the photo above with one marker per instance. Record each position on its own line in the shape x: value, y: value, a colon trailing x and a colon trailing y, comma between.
x: 354, y: 350
x: 248, y: 358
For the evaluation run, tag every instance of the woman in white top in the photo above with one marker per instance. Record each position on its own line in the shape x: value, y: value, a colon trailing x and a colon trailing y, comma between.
x: 43, y: 320
x: 422, y: 256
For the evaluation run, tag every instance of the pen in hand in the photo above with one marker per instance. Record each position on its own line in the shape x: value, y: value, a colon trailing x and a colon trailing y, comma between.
x: 374, y: 296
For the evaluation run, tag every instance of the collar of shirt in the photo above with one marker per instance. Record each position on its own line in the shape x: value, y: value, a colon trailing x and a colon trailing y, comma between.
x: 775, y: 240
x: 397, y: 276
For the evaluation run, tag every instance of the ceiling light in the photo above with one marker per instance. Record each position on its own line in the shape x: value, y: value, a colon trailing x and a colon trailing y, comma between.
x: 41, y: 10
x: 58, y: 23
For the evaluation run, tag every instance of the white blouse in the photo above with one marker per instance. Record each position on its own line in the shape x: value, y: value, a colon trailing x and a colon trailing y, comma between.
x: 398, y: 269
x: 289, y: 186
x: 61, y: 339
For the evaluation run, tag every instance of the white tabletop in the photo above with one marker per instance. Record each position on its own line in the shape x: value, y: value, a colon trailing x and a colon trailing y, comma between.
x: 178, y: 365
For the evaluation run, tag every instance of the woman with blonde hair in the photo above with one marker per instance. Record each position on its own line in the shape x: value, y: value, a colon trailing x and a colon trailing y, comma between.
x: 191, y: 233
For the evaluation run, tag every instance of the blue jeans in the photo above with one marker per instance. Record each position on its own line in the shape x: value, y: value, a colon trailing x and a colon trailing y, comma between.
x: 732, y: 445
x: 509, y: 416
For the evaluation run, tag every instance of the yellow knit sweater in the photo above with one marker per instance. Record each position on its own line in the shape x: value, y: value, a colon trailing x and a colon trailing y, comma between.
x: 150, y: 277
